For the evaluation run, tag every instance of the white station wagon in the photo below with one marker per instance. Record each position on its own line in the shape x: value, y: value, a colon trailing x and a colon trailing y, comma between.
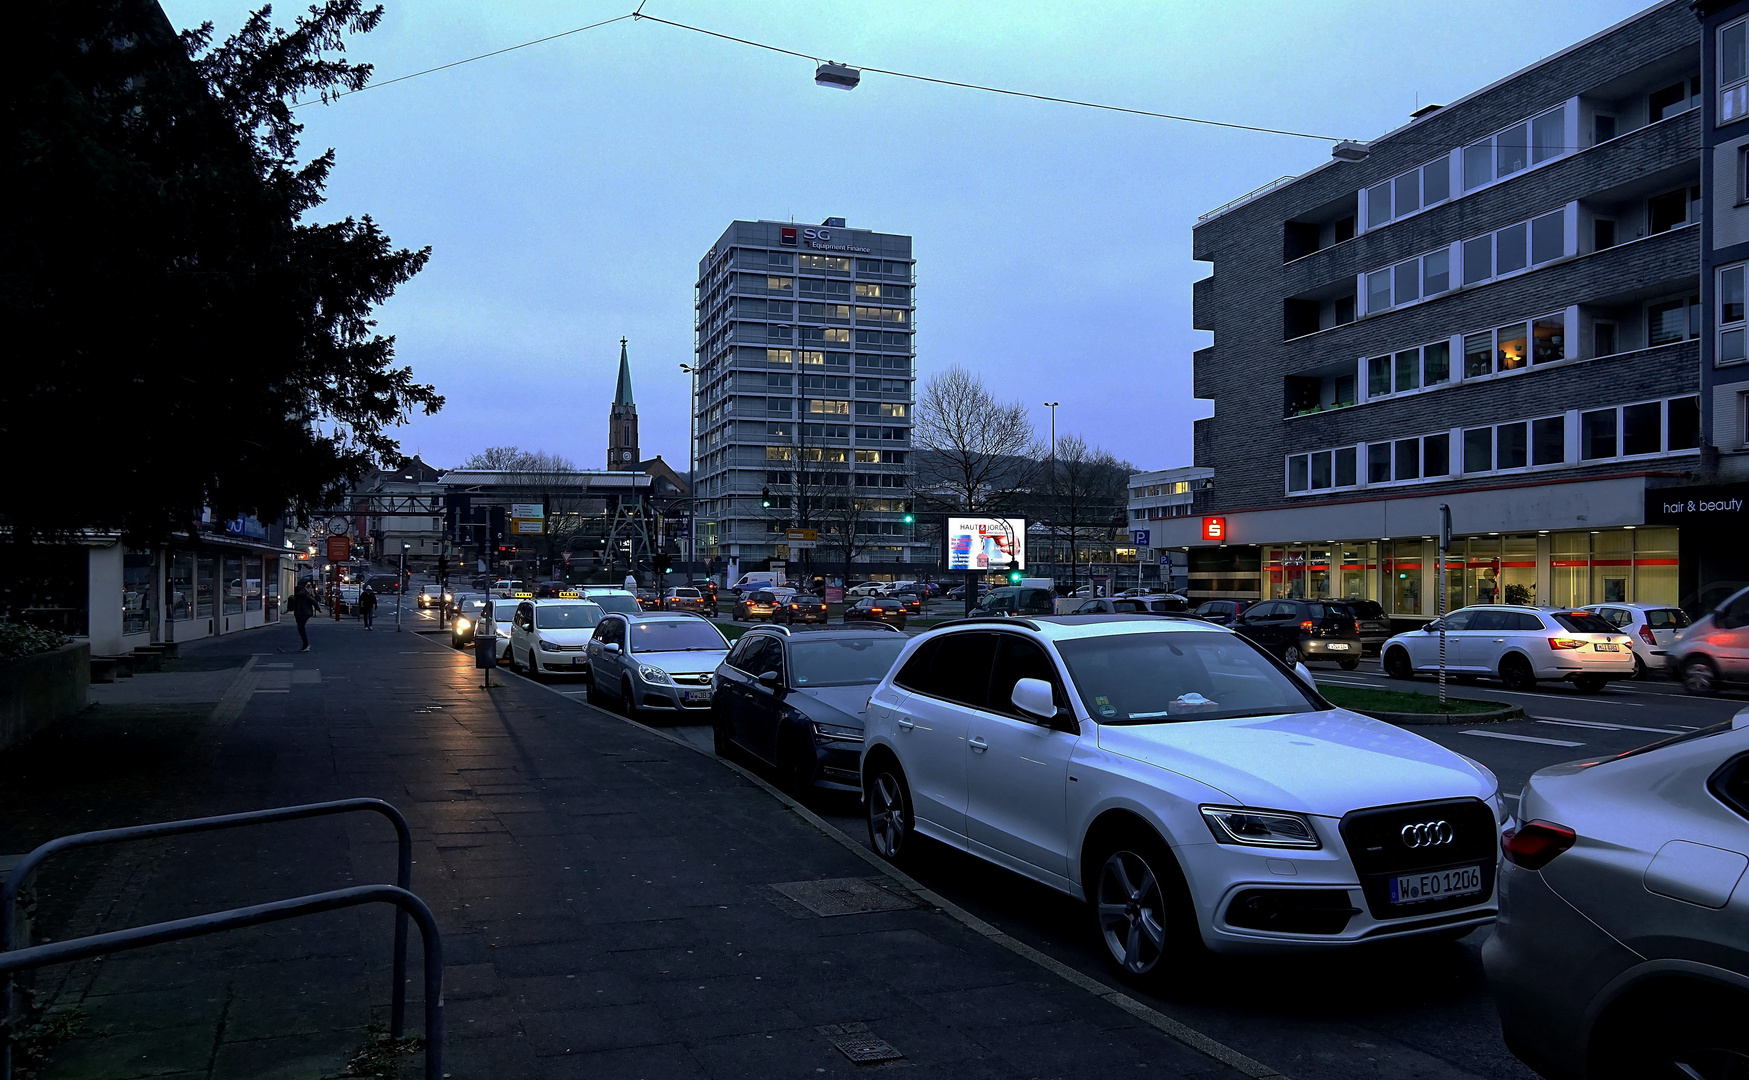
x: 1192, y: 789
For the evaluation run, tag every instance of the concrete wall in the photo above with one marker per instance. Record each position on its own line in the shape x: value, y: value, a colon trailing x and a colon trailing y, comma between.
x: 39, y: 690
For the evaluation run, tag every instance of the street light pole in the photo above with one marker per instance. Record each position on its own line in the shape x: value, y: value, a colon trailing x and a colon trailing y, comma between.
x: 691, y: 480
x: 401, y: 587
x: 1052, y: 405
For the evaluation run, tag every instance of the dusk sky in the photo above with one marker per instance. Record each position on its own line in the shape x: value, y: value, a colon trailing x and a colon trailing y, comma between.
x: 569, y: 189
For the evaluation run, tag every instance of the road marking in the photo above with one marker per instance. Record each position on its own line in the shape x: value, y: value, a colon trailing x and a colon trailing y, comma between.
x: 1520, y: 738
x: 1601, y: 727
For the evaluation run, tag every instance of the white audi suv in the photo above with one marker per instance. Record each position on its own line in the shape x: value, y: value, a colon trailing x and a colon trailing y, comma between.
x: 1192, y: 789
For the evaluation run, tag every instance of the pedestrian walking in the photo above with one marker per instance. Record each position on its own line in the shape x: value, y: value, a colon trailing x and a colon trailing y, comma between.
x: 367, y: 606
x: 302, y: 605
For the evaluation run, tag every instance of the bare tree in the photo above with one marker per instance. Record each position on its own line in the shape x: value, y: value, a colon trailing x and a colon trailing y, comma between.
x: 514, y: 459
x: 1089, y: 490
x: 974, y: 451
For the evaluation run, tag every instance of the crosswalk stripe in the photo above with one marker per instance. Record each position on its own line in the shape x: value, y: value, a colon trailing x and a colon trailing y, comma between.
x: 1600, y: 726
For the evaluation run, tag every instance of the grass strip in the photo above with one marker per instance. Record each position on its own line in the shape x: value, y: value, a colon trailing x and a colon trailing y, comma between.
x: 1363, y: 700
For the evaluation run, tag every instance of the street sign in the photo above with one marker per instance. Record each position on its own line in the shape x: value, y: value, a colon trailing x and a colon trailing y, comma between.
x: 1166, y: 560
x: 804, y: 534
x: 1141, y: 537
x: 526, y: 526
x: 803, y: 545
x: 339, y: 548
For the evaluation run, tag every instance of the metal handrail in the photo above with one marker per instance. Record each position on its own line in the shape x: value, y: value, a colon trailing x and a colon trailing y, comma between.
x: 20, y: 873
x: 62, y: 952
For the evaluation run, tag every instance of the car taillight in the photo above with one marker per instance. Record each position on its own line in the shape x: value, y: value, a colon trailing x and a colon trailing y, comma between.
x: 1306, y: 625
x: 1567, y: 643
x: 1535, y: 844
x: 1357, y: 628
x: 1646, y: 635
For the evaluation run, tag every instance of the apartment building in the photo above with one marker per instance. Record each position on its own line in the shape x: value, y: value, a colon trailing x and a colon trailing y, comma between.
x: 805, y: 375
x: 1495, y: 307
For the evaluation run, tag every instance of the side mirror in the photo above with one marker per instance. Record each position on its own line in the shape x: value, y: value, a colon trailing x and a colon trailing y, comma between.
x: 1741, y: 720
x: 610, y: 646
x: 1431, y: 628
x: 1034, y: 698
x: 771, y: 679
x: 1304, y: 674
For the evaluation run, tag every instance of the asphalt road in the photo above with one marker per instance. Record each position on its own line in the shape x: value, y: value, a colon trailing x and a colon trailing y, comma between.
x: 1391, y: 1012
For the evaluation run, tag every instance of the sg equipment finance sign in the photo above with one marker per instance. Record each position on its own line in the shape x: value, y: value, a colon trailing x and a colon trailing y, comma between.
x: 817, y: 238
x: 1214, y: 528
x: 985, y: 543
x: 1721, y: 504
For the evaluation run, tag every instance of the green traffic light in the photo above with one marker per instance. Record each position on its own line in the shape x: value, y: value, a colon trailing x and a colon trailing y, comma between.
x: 910, y: 519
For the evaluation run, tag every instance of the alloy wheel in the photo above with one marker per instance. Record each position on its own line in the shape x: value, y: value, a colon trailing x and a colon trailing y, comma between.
x: 1132, y: 912
x: 1697, y: 677
x: 1290, y: 655
x: 886, y: 816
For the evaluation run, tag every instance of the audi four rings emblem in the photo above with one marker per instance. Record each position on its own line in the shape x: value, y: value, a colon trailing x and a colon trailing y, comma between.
x: 1427, y: 834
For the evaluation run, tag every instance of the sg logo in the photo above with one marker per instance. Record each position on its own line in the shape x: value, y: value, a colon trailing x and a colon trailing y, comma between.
x: 816, y: 234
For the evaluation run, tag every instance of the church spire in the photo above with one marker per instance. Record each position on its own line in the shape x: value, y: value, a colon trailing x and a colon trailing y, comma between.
x: 622, y: 394
x: 622, y: 419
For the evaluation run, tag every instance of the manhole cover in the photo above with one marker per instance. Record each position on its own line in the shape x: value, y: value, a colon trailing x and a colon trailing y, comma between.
x: 841, y: 896
x: 859, y: 1044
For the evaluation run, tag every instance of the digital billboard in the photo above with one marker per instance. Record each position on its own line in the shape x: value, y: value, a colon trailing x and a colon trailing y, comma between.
x: 985, y: 543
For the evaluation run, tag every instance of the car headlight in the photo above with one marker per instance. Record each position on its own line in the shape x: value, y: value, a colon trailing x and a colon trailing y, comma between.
x: 835, y: 733
x: 462, y: 624
x: 548, y: 646
x: 652, y: 674
x: 1259, y: 828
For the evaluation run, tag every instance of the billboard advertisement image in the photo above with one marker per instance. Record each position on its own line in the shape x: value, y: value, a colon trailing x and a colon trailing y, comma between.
x: 985, y: 543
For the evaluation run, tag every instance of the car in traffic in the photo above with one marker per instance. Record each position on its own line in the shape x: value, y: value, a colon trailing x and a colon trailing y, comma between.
x: 868, y: 588
x: 1375, y: 625
x: 612, y: 598
x: 796, y: 701
x: 1622, y: 947
x: 687, y: 598
x: 802, y: 608
x: 1299, y: 630
x: 1220, y: 612
x: 1144, y: 604
x: 759, y: 604
x: 431, y: 596
x: 1713, y: 653
x: 507, y: 587
x: 467, y: 618
x: 654, y: 662
x: 1194, y: 791
x: 551, y: 637
x: 877, y: 609
x: 1016, y: 601
x: 1518, y: 645
x: 1651, y: 630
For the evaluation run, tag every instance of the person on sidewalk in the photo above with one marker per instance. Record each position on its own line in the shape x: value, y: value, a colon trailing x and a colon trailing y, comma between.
x: 367, y: 606
x: 303, y: 604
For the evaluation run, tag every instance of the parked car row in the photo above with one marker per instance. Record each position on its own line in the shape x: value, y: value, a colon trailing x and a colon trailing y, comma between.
x: 1283, y: 824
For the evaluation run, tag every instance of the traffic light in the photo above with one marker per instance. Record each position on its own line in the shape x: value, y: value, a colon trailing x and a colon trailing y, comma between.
x: 662, y: 563
x: 765, y: 497
x: 910, y: 518
x: 1015, y: 574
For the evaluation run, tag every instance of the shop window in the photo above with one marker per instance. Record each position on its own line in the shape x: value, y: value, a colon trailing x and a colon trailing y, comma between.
x: 1405, y: 571
x: 252, y: 585
x: 179, y: 582
x: 138, y: 599
x: 205, y: 573
x: 232, y: 584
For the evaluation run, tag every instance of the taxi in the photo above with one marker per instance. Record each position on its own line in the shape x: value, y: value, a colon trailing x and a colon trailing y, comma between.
x: 550, y: 636
x: 468, y: 615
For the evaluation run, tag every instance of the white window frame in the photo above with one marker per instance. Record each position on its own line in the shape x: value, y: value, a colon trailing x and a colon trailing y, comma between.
x: 1739, y: 326
x: 1443, y: 163
x: 1733, y: 95
x: 1572, y: 436
x: 1492, y: 143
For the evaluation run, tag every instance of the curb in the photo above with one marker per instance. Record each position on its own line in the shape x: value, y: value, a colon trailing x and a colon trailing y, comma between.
x: 1411, y: 719
x: 1173, y: 1029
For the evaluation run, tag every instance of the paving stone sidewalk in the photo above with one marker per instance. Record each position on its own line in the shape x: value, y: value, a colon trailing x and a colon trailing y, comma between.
x: 613, y: 905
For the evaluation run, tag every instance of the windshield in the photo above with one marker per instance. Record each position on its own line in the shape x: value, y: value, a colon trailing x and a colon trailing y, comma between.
x: 470, y: 606
x: 1166, y: 678
x: 854, y: 662
x: 502, y: 610
x: 620, y: 602
x: 676, y: 635
x: 1584, y: 622
x: 566, y: 616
